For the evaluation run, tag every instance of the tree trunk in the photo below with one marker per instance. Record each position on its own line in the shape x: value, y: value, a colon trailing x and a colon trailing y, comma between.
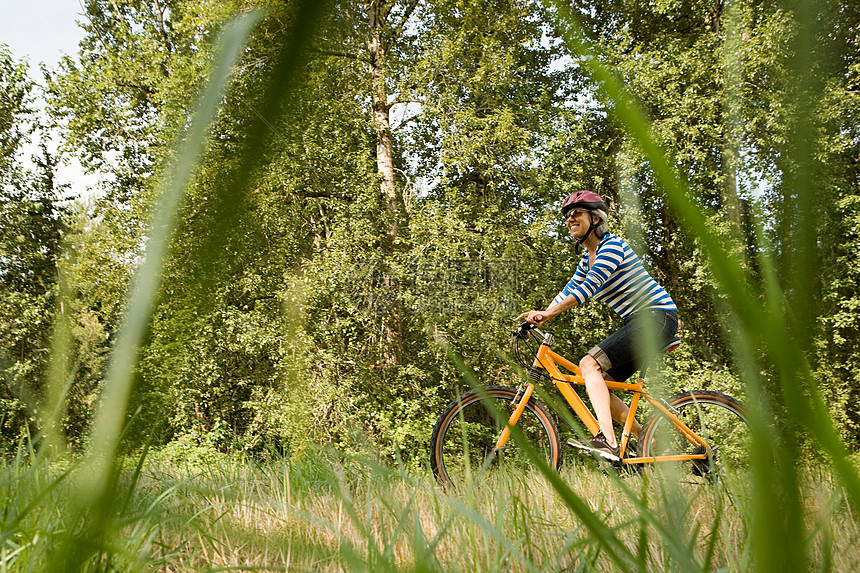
x: 378, y: 44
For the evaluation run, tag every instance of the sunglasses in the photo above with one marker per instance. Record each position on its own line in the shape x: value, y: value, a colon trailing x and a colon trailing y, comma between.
x: 573, y: 213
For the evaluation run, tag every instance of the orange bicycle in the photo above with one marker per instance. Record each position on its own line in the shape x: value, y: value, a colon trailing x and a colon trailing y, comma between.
x: 704, y: 430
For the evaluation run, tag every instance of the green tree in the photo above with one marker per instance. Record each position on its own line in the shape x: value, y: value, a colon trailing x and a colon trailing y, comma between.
x: 216, y: 356
x: 120, y: 104
x: 837, y: 340
x: 30, y: 227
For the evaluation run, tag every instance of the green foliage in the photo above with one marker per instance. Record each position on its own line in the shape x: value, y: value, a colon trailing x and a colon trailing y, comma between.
x: 837, y: 338
x: 30, y: 230
x: 837, y: 346
x: 15, y: 101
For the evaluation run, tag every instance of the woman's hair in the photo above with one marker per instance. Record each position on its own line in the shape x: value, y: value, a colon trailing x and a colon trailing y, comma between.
x: 602, y: 227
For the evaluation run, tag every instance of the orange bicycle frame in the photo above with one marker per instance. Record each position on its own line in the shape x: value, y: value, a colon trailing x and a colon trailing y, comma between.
x: 549, y: 361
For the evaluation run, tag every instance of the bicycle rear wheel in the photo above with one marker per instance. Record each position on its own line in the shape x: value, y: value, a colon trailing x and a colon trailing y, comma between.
x: 715, y: 417
x: 462, y: 447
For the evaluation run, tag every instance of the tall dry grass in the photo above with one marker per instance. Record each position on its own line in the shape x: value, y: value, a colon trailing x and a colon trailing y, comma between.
x: 333, y: 513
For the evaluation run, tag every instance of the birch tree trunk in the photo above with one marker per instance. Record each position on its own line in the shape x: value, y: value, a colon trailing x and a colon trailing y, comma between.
x: 378, y: 46
x: 379, y: 43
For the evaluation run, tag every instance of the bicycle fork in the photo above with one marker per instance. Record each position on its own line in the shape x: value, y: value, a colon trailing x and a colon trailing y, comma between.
x: 524, y: 394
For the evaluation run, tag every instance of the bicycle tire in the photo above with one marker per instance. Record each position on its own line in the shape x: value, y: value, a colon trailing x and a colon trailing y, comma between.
x: 716, y: 417
x: 464, y: 437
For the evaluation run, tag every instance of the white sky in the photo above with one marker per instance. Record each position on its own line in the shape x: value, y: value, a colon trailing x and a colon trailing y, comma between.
x: 41, y: 31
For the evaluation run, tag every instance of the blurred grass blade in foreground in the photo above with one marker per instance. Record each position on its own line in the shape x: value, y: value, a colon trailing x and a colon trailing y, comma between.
x: 92, y: 491
x: 144, y: 287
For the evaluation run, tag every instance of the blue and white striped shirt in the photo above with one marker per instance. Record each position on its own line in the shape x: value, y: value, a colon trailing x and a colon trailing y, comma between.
x: 618, y: 279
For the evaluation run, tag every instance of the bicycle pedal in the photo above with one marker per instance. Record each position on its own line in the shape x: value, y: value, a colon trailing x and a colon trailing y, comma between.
x: 605, y: 455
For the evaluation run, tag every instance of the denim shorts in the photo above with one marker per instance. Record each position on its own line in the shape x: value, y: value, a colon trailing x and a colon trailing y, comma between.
x: 623, y: 352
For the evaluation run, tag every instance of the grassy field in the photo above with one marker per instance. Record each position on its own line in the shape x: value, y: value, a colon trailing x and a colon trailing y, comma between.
x: 326, y: 512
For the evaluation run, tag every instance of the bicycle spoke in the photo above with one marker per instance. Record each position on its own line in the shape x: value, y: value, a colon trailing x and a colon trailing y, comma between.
x: 718, y: 420
x: 463, y: 444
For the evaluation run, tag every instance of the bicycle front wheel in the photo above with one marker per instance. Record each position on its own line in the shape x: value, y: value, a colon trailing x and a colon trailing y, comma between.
x: 720, y: 420
x: 462, y: 447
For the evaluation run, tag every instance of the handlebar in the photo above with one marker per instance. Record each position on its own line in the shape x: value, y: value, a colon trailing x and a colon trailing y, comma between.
x: 522, y: 331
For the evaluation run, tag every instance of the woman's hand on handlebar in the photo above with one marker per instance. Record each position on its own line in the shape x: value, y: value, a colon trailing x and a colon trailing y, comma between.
x: 535, y: 317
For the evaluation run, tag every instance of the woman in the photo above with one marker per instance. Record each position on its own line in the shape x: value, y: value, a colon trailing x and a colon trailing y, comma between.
x: 611, y: 272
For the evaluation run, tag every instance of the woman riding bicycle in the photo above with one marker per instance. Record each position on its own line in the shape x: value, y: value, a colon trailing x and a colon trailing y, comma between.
x: 611, y: 272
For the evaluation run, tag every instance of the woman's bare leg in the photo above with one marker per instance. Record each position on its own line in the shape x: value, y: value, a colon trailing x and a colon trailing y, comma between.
x: 599, y: 394
x: 620, y: 411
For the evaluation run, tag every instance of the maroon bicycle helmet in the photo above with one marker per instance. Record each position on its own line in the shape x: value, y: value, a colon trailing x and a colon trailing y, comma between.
x: 583, y: 200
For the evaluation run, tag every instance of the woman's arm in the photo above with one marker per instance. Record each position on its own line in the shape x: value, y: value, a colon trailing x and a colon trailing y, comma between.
x: 539, y: 317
